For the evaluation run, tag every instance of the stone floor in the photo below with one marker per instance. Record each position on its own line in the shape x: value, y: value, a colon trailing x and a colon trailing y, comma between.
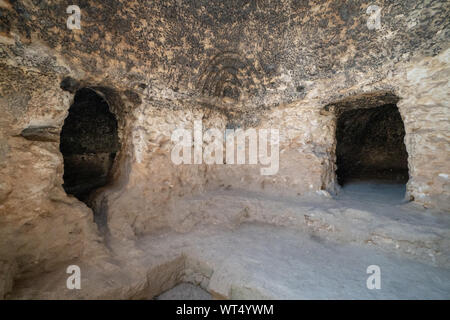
x: 185, y: 291
x: 267, y: 262
x: 317, y: 248
x: 372, y: 193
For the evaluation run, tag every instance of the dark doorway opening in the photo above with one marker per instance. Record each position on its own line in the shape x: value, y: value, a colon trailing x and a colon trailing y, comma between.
x: 89, y: 143
x: 370, y: 145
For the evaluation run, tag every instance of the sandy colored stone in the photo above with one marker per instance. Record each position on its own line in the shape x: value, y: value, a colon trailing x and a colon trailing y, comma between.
x: 161, y: 65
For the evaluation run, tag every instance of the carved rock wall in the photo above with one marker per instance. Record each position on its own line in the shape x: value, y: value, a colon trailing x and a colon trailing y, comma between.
x: 163, y: 64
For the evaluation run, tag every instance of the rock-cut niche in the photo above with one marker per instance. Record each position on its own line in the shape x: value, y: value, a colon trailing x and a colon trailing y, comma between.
x: 89, y: 143
x: 370, y: 145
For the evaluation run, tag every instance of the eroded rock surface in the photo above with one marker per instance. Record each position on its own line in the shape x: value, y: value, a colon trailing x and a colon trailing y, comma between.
x: 291, y: 65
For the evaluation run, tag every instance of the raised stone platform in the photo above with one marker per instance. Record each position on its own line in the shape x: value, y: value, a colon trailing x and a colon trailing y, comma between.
x: 253, y: 261
x: 242, y: 245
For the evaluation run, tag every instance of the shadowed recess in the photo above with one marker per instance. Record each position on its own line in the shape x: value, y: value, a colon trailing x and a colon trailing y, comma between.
x: 89, y: 142
x: 370, y: 145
